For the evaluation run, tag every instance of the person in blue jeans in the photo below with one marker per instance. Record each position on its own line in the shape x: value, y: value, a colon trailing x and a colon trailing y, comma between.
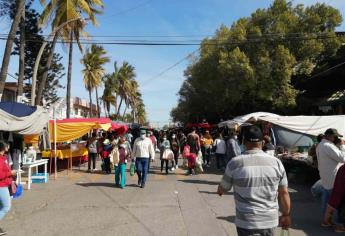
x: 142, y: 151
x: 120, y: 168
x: 5, y: 181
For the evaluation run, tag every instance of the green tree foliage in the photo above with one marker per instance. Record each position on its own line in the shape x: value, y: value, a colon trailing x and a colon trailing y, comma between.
x: 248, y: 67
x: 33, y: 44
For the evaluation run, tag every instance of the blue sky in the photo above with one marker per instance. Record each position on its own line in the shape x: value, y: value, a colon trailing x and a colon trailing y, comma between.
x: 158, y: 17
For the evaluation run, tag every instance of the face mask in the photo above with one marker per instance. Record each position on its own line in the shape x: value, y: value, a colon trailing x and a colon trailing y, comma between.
x: 143, y: 136
x: 164, y: 139
x: 173, y: 136
x: 235, y: 136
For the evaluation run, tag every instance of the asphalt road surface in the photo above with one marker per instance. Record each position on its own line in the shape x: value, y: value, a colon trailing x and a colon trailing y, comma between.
x: 176, y: 204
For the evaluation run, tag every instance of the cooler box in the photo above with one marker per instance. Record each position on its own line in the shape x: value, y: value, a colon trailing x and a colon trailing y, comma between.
x: 40, y: 178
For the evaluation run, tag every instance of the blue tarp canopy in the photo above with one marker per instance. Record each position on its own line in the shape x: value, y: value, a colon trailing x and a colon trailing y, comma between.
x: 17, y: 109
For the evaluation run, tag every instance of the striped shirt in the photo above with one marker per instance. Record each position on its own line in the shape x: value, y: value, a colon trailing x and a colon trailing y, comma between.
x: 255, y: 177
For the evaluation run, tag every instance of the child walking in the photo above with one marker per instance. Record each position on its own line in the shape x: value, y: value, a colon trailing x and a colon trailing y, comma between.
x: 107, y: 148
x: 120, y: 167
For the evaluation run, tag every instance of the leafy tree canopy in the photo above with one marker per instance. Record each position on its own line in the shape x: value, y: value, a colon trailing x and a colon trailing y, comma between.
x: 248, y: 67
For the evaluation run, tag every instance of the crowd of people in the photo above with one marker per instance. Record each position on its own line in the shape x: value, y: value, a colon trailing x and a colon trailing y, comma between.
x: 249, y: 164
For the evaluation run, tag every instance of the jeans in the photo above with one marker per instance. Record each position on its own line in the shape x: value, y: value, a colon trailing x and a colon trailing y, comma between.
x: 255, y: 232
x: 220, y: 158
x: 106, y: 162
x: 5, y: 202
x: 120, y: 173
x: 206, y: 154
x: 142, y: 165
x: 92, y: 157
x: 326, y: 194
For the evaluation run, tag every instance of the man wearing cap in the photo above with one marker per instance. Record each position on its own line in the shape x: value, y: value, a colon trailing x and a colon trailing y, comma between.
x: 142, y: 151
x: 259, y: 181
x: 329, y: 158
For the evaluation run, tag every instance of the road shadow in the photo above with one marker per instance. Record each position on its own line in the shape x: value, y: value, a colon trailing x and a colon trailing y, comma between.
x: 100, y: 184
x: 227, y: 218
x: 198, y: 181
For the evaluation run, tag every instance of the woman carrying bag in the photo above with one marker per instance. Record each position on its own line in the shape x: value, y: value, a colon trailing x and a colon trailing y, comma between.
x: 166, y: 155
x: 6, y: 178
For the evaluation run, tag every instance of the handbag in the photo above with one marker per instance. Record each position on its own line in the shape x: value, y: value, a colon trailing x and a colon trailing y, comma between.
x: 12, y: 188
x: 132, y: 169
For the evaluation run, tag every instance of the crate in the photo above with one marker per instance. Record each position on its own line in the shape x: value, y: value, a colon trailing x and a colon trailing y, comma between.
x: 40, y: 178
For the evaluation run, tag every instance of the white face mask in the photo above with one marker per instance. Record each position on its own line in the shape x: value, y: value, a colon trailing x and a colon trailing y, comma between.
x: 164, y: 139
x: 235, y: 136
x: 173, y: 136
x: 143, y: 136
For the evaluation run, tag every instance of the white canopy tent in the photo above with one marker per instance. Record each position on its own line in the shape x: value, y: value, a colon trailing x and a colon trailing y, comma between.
x: 310, y: 125
x: 26, y: 125
x: 242, y: 120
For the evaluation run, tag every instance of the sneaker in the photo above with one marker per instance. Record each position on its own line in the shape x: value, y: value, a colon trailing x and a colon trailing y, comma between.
x: 2, y: 232
x: 176, y: 166
x: 172, y: 169
x: 139, y: 182
x: 142, y: 186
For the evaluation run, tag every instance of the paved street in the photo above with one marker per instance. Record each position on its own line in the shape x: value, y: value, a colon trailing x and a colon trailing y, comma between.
x: 89, y: 204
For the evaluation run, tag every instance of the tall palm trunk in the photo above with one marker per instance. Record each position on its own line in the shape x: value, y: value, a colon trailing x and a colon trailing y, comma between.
x: 21, y: 59
x: 97, y: 103
x: 69, y: 76
x: 44, y: 77
x: 119, y: 108
x: 9, y: 43
x: 90, y: 97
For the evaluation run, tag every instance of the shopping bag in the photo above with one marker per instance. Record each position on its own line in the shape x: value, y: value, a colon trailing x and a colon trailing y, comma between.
x: 198, y: 164
x: 19, y: 191
x: 285, y: 232
x: 132, y: 169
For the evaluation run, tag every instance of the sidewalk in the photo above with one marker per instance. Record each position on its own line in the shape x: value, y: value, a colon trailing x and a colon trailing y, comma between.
x: 89, y: 204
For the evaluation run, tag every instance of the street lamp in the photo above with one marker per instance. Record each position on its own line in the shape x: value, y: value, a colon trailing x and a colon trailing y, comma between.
x: 40, y: 53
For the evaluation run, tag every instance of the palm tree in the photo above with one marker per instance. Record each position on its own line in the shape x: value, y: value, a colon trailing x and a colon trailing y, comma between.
x: 9, y: 44
x: 110, y: 91
x: 126, y: 75
x: 94, y: 60
x: 62, y: 11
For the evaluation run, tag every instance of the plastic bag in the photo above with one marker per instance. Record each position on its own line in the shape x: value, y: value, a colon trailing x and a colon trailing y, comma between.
x: 198, y: 164
x: 19, y: 191
x: 285, y: 232
x: 132, y: 169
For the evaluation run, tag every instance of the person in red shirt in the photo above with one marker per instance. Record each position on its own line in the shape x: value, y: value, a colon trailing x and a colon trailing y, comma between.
x: 5, y: 181
x: 337, y: 201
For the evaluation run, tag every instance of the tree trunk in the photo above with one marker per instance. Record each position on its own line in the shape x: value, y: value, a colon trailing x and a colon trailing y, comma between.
x: 90, y: 97
x: 119, y: 108
x: 9, y: 43
x: 21, y: 59
x: 44, y: 77
x: 97, y: 103
x: 105, y: 109
x: 69, y: 76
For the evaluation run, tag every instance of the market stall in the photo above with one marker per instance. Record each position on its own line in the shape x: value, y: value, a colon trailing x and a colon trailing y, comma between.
x: 65, y: 132
x: 18, y: 121
x: 293, y: 136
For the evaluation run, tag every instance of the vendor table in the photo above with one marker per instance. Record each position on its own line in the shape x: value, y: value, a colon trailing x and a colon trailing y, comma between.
x: 66, y: 153
x: 74, y: 151
x: 29, y: 166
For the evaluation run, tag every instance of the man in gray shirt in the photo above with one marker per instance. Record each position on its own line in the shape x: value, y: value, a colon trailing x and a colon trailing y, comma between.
x: 259, y: 181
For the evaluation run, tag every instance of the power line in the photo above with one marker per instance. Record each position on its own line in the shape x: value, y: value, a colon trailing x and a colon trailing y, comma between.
x: 169, y: 68
x: 214, y: 42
